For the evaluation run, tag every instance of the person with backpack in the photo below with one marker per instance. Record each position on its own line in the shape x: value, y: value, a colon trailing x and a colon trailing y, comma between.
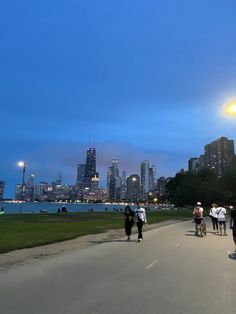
x: 198, y: 216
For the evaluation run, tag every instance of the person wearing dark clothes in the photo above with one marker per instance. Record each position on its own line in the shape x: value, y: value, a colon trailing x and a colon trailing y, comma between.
x: 233, y: 223
x: 129, y: 221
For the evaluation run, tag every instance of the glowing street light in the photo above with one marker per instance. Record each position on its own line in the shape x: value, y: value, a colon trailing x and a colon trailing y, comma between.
x: 230, y: 108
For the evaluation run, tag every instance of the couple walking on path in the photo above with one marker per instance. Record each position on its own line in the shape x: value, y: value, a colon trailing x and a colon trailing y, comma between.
x: 138, y: 215
x: 218, y: 217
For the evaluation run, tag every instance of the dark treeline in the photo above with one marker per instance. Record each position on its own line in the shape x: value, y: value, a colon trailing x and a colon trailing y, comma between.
x: 187, y: 188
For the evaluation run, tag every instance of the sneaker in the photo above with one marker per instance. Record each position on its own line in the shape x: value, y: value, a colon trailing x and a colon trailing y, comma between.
x: 225, y: 234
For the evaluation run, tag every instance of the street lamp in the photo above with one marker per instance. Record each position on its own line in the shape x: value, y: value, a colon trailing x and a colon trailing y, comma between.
x: 22, y: 165
x: 230, y: 108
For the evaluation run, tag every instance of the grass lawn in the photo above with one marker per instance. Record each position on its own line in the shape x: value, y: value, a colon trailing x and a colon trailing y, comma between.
x: 28, y: 230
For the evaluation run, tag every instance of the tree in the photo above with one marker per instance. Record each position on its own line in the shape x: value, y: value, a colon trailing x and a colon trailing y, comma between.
x: 229, y: 183
x: 187, y: 188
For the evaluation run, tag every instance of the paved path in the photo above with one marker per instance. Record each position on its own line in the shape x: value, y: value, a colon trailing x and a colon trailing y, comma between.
x: 171, y: 271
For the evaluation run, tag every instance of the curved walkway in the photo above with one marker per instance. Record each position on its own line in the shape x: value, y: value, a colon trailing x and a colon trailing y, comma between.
x: 28, y: 255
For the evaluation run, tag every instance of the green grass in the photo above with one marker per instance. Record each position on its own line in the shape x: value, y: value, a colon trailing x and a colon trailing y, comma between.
x: 28, y: 230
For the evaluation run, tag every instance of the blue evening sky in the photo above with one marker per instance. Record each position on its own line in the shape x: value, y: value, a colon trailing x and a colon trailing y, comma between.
x: 142, y: 79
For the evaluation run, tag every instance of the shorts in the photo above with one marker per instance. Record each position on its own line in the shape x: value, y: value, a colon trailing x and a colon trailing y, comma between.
x: 222, y: 223
x: 198, y: 221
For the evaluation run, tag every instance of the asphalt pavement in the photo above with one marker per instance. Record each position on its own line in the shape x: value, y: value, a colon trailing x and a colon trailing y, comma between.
x: 171, y: 271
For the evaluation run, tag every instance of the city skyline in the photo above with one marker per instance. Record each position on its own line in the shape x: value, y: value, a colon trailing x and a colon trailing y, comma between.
x: 218, y: 155
x: 146, y: 80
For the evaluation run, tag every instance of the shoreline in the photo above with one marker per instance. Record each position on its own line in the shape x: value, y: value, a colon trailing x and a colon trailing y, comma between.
x: 29, y: 255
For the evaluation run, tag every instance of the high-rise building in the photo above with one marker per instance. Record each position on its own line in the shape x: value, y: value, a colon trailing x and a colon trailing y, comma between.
x: 18, y: 192
x: 2, y: 188
x: 144, y: 178
x: 80, y: 180
x: 90, y: 167
x: 123, y: 186
x: 193, y: 164
x: 80, y: 173
x: 94, y: 184
x: 114, y: 181
x: 152, y: 178
x: 41, y: 191
x: 133, y: 187
x: 218, y: 155
x: 162, y: 187
x: 30, y: 188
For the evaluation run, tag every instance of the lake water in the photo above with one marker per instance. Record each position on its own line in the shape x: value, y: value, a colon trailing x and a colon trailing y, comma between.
x: 35, y: 207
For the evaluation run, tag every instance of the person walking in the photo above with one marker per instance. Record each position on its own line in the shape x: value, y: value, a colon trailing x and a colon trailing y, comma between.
x: 2, y: 210
x: 129, y: 221
x: 221, y: 211
x: 214, y: 217
x: 233, y: 223
x: 198, y: 216
x: 140, y: 214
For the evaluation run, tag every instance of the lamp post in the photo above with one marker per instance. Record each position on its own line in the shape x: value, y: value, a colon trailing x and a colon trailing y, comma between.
x: 22, y: 165
x: 230, y: 108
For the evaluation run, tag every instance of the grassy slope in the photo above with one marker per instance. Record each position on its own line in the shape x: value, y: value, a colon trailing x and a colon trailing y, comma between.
x: 29, y: 230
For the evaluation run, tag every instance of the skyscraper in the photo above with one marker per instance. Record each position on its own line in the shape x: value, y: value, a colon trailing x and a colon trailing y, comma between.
x: 114, y: 181
x: 133, y: 187
x: 144, y: 178
x: 30, y: 188
x: 80, y: 174
x: 123, y: 186
x: 152, y: 178
x: 193, y: 164
x: 219, y: 155
x: 90, y: 167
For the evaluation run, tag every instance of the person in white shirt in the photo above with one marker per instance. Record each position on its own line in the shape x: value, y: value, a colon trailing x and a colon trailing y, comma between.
x: 141, y: 218
x: 221, y: 211
x: 214, y: 217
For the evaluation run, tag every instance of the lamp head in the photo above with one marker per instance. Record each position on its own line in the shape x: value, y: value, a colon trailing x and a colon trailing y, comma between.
x: 21, y: 164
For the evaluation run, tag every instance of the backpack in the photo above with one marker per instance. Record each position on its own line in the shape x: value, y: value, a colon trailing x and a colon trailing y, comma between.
x: 197, y: 212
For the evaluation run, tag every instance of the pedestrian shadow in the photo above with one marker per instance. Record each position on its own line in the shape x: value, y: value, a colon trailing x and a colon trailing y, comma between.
x: 232, y: 256
x: 190, y: 233
x: 111, y: 241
